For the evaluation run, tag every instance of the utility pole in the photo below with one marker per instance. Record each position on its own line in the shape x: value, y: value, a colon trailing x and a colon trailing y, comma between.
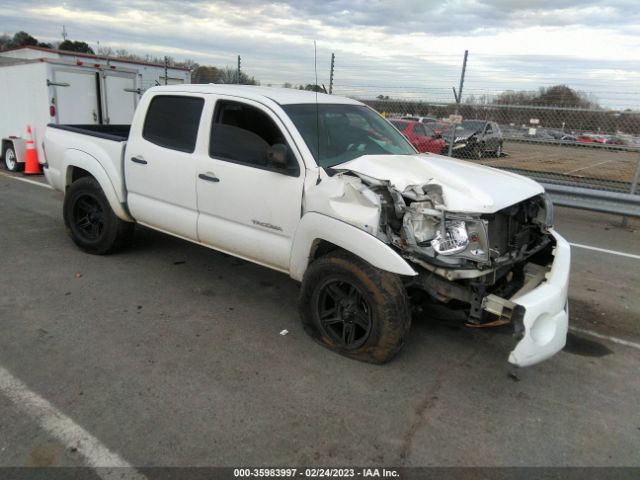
x: 333, y: 63
x: 64, y: 33
x: 238, y: 74
x: 458, y: 97
x: 166, y: 70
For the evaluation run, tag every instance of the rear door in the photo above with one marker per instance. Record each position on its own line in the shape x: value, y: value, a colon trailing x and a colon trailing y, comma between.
x: 160, y: 167
x: 248, y: 206
x: 119, y: 97
x: 76, y: 96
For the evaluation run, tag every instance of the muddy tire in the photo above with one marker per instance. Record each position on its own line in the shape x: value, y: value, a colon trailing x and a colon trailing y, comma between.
x: 354, y: 309
x: 90, y: 221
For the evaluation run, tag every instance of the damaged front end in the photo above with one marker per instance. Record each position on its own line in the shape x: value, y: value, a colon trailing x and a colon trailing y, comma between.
x: 473, y: 262
x: 481, y: 241
x: 478, y: 264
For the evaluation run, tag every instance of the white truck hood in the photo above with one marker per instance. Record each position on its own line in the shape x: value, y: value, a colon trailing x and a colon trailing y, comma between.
x: 466, y: 187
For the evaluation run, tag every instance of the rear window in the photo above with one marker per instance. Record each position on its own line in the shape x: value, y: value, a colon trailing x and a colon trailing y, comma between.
x: 172, y: 122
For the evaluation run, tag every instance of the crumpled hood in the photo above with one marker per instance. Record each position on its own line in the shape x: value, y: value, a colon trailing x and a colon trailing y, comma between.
x: 466, y: 187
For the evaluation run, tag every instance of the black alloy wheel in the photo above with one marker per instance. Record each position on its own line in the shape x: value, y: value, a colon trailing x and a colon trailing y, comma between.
x: 91, y: 222
x: 344, y: 313
x: 88, y: 217
x: 353, y: 308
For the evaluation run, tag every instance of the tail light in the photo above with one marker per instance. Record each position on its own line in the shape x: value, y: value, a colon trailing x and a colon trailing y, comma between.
x: 52, y: 110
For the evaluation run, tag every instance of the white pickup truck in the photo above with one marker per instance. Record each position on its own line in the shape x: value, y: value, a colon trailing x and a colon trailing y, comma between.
x: 327, y: 191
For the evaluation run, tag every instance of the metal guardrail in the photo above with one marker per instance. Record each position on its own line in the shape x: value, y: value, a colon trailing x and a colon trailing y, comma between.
x: 599, y: 195
x: 626, y: 204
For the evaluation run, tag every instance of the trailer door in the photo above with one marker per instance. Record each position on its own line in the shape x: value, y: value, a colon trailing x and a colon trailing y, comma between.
x: 119, y: 97
x: 76, y: 94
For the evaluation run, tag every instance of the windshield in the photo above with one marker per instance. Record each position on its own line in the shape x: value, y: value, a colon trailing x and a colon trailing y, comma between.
x: 338, y: 133
x: 468, y: 127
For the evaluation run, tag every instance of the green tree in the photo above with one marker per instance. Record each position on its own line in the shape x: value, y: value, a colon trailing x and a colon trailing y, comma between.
x: 76, y: 46
x: 313, y: 88
x: 23, y: 39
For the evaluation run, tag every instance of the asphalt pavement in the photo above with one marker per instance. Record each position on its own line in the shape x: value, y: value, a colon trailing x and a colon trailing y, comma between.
x: 170, y: 354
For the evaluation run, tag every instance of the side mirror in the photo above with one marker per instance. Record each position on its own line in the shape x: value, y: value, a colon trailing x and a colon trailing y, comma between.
x: 277, y: 155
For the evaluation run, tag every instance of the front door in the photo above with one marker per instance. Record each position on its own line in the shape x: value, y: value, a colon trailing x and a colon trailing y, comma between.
x: 249, y: 206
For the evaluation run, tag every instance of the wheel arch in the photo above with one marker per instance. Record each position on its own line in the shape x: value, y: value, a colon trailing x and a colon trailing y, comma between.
x: 319, y: 234
x: 79, y: 164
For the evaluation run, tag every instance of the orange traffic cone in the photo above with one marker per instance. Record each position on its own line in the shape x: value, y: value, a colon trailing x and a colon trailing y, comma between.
x: 31, y: 164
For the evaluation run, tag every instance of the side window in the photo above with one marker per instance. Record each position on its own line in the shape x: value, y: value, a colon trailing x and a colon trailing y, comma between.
x: 418, y: 128
x: 244, y: 134
x: 429, y: 132
x: 172, y: 122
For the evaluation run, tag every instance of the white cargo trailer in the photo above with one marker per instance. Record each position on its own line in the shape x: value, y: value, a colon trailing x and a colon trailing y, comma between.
x: 149, y: 74
x: 42, y: 85
x: 42, y: 91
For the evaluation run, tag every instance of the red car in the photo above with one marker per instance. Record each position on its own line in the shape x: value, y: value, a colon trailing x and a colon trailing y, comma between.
x: 590, y: 138
x: 420, y: 135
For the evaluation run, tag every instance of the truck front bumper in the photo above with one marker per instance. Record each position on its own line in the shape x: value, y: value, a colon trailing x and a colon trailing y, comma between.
x: 546, y: 317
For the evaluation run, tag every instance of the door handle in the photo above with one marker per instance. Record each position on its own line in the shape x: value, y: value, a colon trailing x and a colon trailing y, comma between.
x: 139, y: 160
x: 208, y: 178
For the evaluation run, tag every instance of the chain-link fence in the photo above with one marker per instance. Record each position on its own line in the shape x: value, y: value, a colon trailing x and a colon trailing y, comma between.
x: 569, y: 125
x: 573, y: 124
x: 579, y: 147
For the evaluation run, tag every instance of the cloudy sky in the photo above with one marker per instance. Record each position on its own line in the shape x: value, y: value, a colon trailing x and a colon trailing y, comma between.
x: 397, y: 48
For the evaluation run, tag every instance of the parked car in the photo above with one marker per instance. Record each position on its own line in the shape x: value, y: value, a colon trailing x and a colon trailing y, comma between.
x: 591, y: 138
x: 414, y: 118
x: 539, y: 134
x: 296, y: 182
x: 613, y: 140
x: 421, y: 136
x: 560, y: 135
x: 584, y: 139
x: 440, y: 127
x: 476, y: 139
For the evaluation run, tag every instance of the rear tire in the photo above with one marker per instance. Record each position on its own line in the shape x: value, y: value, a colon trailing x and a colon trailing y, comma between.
x: 354, y: 309
x: 91, y: 223
x: 11, y: 160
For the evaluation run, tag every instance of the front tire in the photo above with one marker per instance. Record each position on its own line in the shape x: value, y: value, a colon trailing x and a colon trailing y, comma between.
x: 355, y: 309
x: 478, y: 151
x: 91, y: 223
x: 11, y: 160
